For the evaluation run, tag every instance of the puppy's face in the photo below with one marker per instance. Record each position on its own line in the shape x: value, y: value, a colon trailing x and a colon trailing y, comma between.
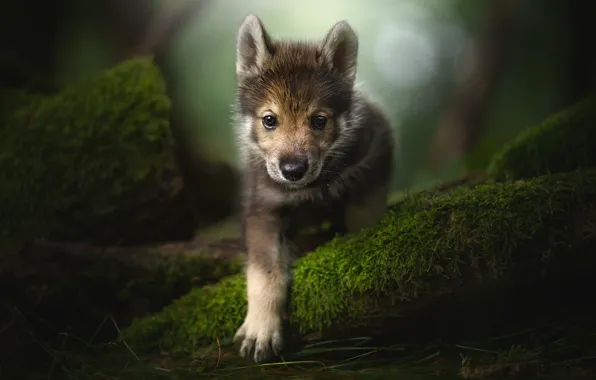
x: 293, y: 121
x: 292, y: 97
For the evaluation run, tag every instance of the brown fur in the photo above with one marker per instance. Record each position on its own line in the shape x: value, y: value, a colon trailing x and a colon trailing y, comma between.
x: 349, y: 163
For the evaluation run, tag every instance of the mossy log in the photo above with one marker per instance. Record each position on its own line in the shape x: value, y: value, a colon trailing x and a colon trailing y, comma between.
x: 94, y: 162
x: 427, y: 246
x: 563, y: 142
x: 74, y: 287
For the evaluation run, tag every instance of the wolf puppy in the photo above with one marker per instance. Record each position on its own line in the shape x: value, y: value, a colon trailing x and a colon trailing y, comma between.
x: 310, y: 145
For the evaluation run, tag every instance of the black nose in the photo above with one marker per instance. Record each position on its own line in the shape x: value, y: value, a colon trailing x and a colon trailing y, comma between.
x: 293, y: 168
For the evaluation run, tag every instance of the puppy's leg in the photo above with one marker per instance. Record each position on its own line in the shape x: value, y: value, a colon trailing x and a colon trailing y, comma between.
x: 268, y: 279
x: 366, y: 210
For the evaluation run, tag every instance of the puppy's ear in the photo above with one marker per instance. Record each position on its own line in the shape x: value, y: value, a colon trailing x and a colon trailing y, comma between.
x: 253, y: 46
x: 340, y: 47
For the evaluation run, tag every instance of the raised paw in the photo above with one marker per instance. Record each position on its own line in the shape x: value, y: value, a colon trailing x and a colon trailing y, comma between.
x: 260, y: 338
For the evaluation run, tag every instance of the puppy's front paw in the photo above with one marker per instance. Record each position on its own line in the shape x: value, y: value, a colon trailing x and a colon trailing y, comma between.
x: 260, y: 337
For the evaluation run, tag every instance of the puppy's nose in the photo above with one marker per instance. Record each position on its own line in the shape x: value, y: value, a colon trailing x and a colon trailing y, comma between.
x: 293, y: 168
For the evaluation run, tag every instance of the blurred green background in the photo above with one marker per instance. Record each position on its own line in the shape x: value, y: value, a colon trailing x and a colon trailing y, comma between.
x: 414, y: 58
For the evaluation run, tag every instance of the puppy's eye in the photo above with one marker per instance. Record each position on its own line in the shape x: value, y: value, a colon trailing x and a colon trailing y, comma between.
x: 269, y: 122
x: 319, y: 122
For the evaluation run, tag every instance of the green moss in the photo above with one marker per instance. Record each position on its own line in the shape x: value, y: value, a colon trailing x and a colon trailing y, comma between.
x: 197, y: 318
x: 172, y: 275
x: 75, y: 157
x: 562, y: 143
x: 12, y: 99
x: 425, y: 246
x: 75, y: 293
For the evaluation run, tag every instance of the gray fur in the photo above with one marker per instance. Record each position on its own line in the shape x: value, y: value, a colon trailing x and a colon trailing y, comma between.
x: 350, y: 190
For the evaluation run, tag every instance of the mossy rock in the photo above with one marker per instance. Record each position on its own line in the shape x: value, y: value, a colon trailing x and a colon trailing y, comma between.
x: 426, y: 246
x: 96, y: 153
x: 563, y: 142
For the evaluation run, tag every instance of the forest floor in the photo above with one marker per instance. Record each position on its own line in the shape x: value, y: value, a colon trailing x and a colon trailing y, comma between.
x: 550, y: 334
x: 556, y: 346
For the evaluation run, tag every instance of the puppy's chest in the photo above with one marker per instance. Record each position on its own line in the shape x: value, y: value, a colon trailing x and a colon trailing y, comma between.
x: 311, y: 224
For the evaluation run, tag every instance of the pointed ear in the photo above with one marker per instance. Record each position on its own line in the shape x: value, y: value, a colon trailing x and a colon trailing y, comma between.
x: 340, y: 46
x: 253, y: 46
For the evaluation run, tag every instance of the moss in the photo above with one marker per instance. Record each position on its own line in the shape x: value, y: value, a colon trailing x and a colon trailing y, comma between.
x: 12, y: 99
x: 427, y: 245
x: 563, y: 142
x: 74, y: 293
x: 173, y: 275
x: 77, y: 156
